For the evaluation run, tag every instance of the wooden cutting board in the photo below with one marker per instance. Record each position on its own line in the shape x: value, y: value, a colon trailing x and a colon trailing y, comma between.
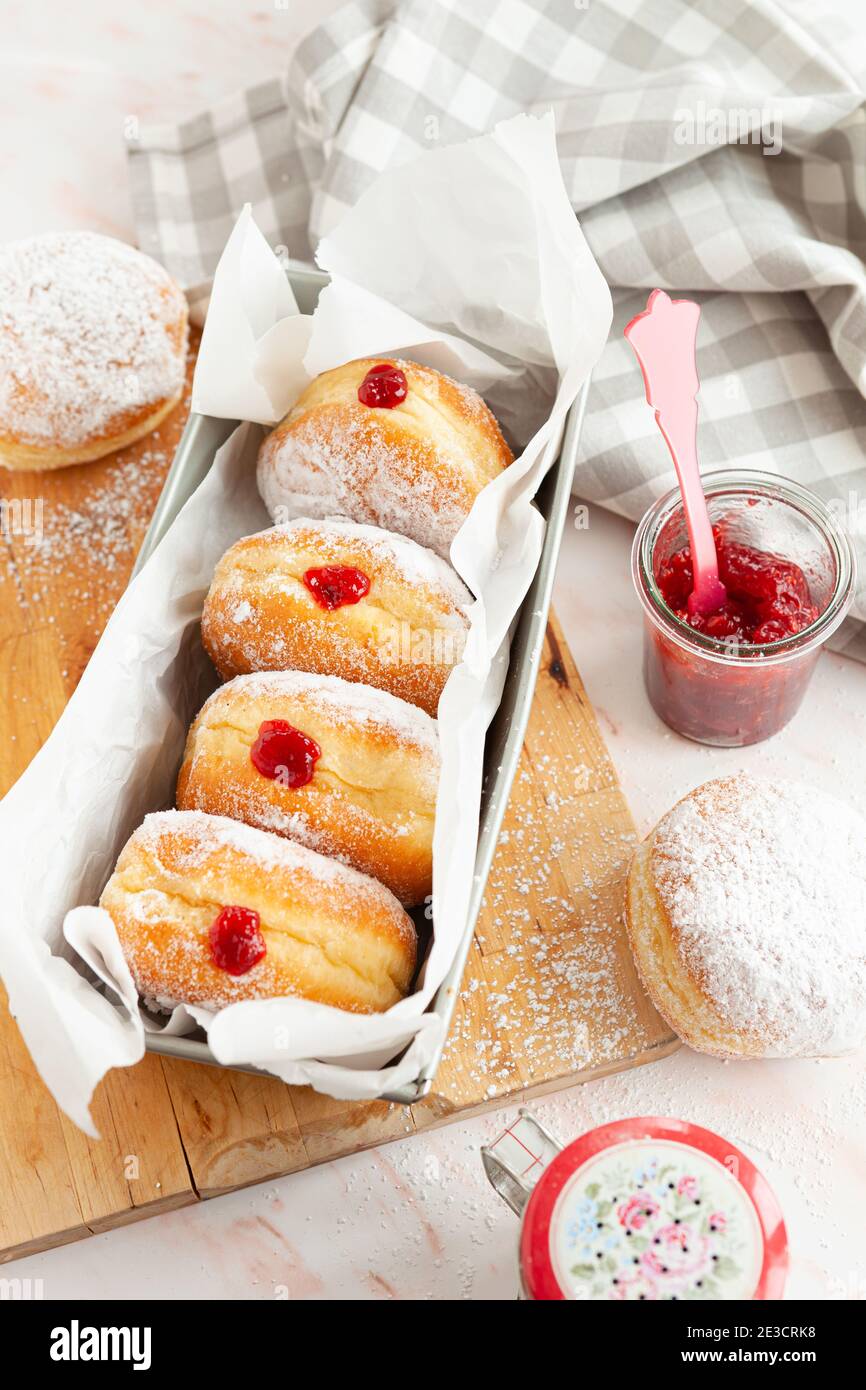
x: 550, y: 994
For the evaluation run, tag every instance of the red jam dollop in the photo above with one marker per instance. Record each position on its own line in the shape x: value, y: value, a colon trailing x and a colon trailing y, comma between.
x: 383, y: 387
x: 236, y: 941
x: 284, y: 754
x: 768, y: 598
x: 334, y: 586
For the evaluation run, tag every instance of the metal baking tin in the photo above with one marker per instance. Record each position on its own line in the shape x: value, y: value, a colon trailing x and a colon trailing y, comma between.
x: 203, y: 436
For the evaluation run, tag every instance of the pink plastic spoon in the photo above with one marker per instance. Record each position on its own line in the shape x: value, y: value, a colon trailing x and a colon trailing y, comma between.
x: 663, y: 338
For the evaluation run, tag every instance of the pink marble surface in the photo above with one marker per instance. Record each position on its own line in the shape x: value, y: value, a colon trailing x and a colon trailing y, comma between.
x: 416, y: 1219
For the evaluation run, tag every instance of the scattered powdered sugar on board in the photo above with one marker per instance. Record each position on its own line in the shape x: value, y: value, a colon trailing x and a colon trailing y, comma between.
x: 348, y: 702
x: 765, y: 884
x: 547, y: 994
x: 88, y: 332
x: 100, y: 530
x: 69, y: 545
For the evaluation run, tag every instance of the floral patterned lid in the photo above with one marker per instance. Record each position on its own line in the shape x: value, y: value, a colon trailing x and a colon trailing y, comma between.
x: 653, y: 1209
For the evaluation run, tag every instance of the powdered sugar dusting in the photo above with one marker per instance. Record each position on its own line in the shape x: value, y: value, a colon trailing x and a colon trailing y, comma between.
x: 550, y: 992
x: 88, y: 332
x: 415, y: 563
x: 333, y: 467
x: 348, y: 702
x: 765, y: 884
x: 207, y: 834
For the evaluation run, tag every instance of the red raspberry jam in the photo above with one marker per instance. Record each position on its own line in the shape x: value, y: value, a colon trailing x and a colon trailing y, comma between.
x: 383, y: 387
x: 284, y: 754
x: 788, y: 569
x: 334, y: 586
x: 768, y: 598
x: 236, y: 941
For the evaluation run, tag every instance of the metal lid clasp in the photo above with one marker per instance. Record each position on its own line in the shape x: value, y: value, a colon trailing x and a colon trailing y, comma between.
x: 515, y: 1161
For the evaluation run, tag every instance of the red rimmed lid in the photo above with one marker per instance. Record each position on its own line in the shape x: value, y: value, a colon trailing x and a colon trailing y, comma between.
x: 648, y: 1209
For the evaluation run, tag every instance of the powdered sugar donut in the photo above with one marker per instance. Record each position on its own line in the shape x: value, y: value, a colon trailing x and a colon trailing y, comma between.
x: 387, y: 442
x: 342, y: 768
x: 211, y: 912
x: 336, y: 598
x: 92, y: 348
x: 746, y: 912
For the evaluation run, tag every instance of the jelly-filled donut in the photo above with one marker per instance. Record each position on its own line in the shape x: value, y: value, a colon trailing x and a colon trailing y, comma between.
x: 93, y: 338
x: 746, y: 912
x: 335, y: 598
x: 345, y: 769
x: 209, y: 911
x: 386, y: 442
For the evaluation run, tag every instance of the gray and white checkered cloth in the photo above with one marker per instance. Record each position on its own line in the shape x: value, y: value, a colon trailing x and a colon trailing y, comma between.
x: 714, y: 149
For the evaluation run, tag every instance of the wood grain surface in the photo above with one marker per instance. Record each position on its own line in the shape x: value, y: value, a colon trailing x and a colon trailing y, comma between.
x: 550, y: 994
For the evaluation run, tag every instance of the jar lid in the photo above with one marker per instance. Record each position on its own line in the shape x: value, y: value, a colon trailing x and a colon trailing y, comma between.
x: 648, y: 1209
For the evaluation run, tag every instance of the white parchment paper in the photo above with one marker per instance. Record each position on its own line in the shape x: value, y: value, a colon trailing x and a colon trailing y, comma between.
x: 468, y: 259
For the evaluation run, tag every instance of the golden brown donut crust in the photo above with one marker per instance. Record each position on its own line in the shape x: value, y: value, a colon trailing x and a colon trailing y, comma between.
x: 23, y: 457
x: 331, y: 935
x: 404, y: 636
x: 677, y: 995
x: 415, y: 469
x: 372, y: 799
x: 93, y: 338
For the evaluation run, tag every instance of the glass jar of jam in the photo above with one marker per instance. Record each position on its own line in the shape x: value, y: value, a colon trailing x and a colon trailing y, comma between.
x: 790, y: 572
